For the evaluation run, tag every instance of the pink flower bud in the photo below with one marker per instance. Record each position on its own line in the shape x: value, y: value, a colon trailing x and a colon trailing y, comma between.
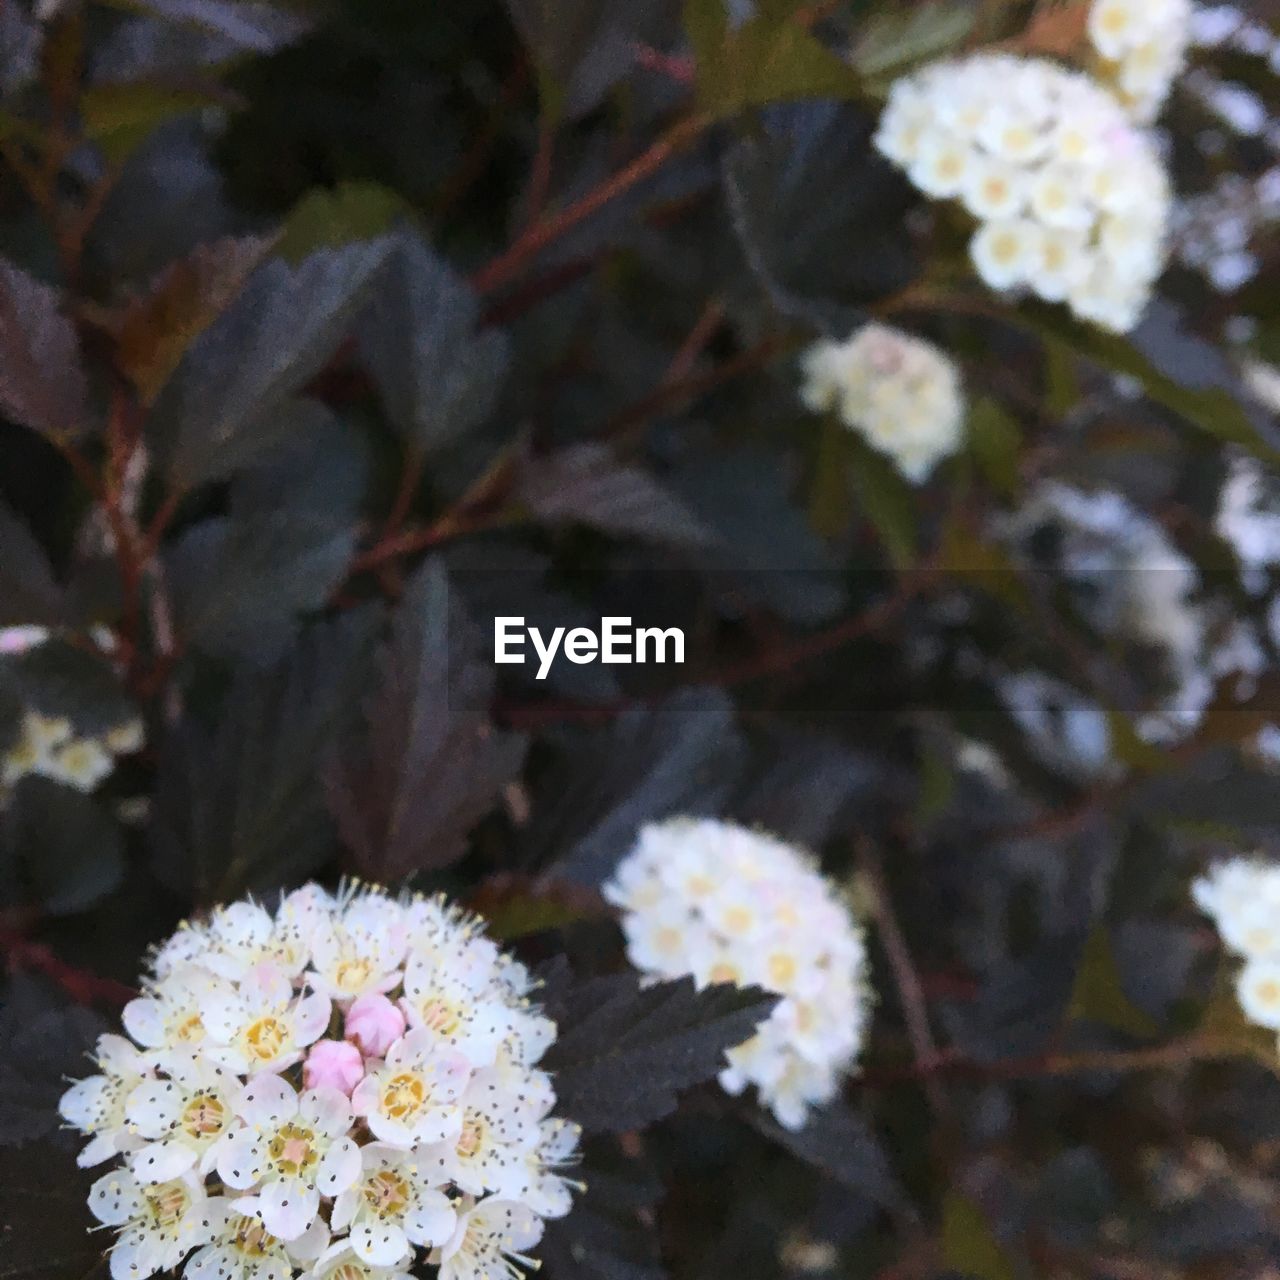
x: 375, y: 1024
x: 333, y: 1064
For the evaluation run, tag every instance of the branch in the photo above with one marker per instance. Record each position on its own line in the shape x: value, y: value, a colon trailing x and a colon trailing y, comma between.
x: 511, y: 262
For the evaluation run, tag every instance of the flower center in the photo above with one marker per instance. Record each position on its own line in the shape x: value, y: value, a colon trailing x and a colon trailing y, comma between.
x: 782, y: 969
x: 265, y: 1038
x: 167, y: 1202
x: 252, y: 1238
x: 349, y: 1271
x: 352, y: 974
x: 190, y: 1029
x: 387, y: 1193
x: 205, y: 1114
x: 404, y: 1097
x: 441, y: 1016
x: 471, y: 1138
x: 293, y: 1149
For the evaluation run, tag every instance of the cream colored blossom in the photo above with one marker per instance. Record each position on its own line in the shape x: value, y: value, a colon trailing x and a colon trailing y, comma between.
x: 740, y: 906
x: 1033, y: 151
x: 900, y: 393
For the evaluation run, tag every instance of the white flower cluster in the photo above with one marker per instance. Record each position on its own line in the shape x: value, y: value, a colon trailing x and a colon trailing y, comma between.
x: 49, y: 746
x: 1242, y: 896
x: 261, y: 1149
x: 716, y: 901
x: 1071, y: 199
x: 903, y: 395
x: 1141, y: 46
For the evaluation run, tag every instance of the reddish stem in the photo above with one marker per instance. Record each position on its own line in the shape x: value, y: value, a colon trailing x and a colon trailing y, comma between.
x: 511, y: 262
x: 83, y: 987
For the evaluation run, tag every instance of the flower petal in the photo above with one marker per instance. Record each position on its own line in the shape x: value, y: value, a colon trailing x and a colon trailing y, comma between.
x: 339, y: 1168
x: 380, y: 1243
x: 288, y: 1207
x: 266, y: 1100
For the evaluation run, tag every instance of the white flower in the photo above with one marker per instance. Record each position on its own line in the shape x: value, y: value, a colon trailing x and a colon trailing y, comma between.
x: 241, y: 1247
x: 157, y: 1224
x: 994, y: 188
x: 167, y: 1016
x: 535, y: 1178
x: 97, y: 1105
x: 188, y: 946
x: 759, y: 913
x: 1242, y: 895
x: 260, y: 1025
x: 499, y: 1125
x: 393, y: 1205
x: 244, y: 936
x: 455, y: 1111
x: 360, y: 950
x: 454, y: 991
x: 491, y: 1234
x: 292, y: 1150
x: 413, y: 1097
x: 340, y: 1262
x: 181, y: 1117
x: 1031, y: 148
x: 1141, y: 46
x: 1007, y: 254
x: 1258, y: 989
x: 900, y: 393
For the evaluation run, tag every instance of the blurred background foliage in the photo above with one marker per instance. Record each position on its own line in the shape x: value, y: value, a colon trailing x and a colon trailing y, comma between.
x: 328, y: 332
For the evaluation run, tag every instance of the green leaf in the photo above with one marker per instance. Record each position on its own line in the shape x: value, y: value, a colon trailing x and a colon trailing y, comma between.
x: 1211, y: 409
x: 893, y: 42
x: 994, y: 440
x: 1130, y: 748
x: 887, y: 500
x: 118, y: 117
x: 1098, y: 995
x: 329, y: 216
x: 768, y: 58
x: 830, y: 509
x: 980, y: 565
x: 968, y: 1244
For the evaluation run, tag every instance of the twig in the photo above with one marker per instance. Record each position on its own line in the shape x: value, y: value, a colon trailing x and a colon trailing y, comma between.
x: 83, y: 987
x: 511, y: 262
x: 911, y: 995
